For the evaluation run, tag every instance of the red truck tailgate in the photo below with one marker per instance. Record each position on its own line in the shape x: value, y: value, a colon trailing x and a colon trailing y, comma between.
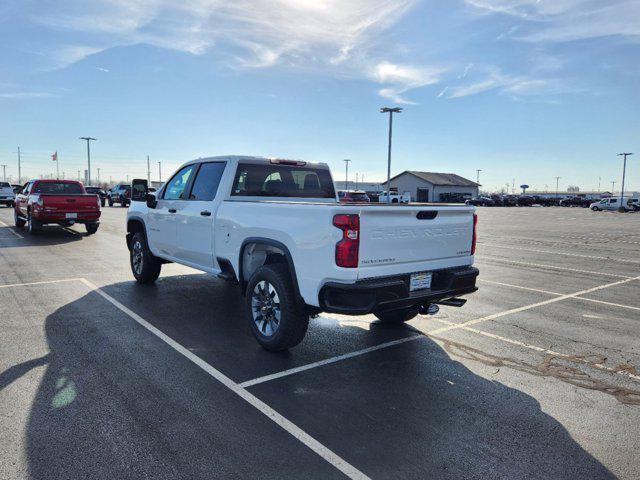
x: 70, y: 203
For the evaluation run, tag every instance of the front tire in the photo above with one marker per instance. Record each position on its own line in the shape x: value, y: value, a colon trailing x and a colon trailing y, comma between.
x: 144, y: 265
x: 595, y: 209
x: 110, y: 203
x: 278, y: 320
x: 396, y: 317
x: 18, y: 221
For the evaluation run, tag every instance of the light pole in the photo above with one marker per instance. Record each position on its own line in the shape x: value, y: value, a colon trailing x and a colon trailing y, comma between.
x: 98, y: 175
x: 557, y: 180
x: 613, y: 187
x: 599, y: 181
x: 88, y: 139
x: 346, y: 174
x: 390, y: 111
x: 148, y: 171
x: 478, y: 176
x: 19, y: 171
x: 624, y: 171
x: 4, y: 172
x: 159, y: 172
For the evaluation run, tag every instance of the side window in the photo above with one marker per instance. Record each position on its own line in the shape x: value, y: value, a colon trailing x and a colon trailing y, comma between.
x: 614, y: 200
x: 207, y: 180
x: 26, y: 189
x: 177, y: 185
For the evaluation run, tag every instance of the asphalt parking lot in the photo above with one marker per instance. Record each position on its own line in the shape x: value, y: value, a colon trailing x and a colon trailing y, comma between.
x: 538, y: 376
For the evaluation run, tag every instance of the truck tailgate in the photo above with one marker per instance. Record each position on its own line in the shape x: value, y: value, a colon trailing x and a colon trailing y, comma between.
x: 70, y: 203
x: 414, y: 235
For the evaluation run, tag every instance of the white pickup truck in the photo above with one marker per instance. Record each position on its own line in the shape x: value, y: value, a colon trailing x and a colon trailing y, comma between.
x: 276, y: 228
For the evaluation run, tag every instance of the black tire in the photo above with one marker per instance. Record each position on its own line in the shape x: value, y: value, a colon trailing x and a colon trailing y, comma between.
x: 395, y: 317
x: 91, y: 228
x: 595, y: 209
x: 123, y: 204
x: 394, y: 200
x: 110, y: 203
x: 287, y: 331
x: 18, y: 221
x: 148, y: 269
x: 33, y: 226
x: 102, y: 202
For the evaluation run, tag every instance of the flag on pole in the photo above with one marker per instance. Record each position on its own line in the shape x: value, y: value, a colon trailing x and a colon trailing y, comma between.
x: 54, y: 157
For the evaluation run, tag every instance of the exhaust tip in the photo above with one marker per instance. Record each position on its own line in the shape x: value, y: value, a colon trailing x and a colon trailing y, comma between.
x: 430, y: 309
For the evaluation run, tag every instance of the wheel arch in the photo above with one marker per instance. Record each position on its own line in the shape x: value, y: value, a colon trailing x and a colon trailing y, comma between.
x: 271, y: 250
x: 135, y: 225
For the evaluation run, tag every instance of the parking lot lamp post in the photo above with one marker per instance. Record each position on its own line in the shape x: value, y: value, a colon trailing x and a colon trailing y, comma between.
x: 478, y: 176
x: 390, y: 111
x: 346, y: 173
x: 624, y: 171
x: 4, y: 172
x: 159, y: 172
x: 557, y: 180
x: 613, y: 187
x: 88, y: 139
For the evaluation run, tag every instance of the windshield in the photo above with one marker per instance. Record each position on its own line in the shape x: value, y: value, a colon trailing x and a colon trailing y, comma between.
x: 4, y: 184
x: 358, y: 196
x: 58, y: 188
x: 276, y: 180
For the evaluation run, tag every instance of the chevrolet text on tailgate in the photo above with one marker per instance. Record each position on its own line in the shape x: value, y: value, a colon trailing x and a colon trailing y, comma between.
x: 276, y: 228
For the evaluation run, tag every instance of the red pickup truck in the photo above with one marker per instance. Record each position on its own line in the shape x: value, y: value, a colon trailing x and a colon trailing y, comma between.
x: 61, y: 202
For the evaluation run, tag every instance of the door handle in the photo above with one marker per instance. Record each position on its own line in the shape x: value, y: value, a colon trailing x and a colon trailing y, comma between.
x: 172, y: 210
x: 205, y: 213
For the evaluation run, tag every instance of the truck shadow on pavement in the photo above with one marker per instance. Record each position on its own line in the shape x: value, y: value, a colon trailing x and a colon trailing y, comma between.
x: 49, y: 236
x: 116, y: 402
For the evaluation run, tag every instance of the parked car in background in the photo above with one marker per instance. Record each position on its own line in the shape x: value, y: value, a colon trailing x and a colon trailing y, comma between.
x: 294, y: 251
x: 353, y: 196
x: 576, y: 202
x: 610, y: 204
x: 120, y: 193
x: 102, y: 195
x: 16, y: 187
x: 525, y: 201
x: 395, y: 197
x: 634, y: 204
x: 481, y: 202
x: 61, y: 202
x: 6, y: 194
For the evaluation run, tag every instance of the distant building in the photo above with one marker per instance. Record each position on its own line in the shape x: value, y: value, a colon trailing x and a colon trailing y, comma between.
x: 366, y: 186
x: 434, y: 187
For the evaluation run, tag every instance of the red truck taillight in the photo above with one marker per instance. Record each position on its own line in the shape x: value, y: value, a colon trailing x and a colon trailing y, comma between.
x: 347, y: 248
x: 475, y: 235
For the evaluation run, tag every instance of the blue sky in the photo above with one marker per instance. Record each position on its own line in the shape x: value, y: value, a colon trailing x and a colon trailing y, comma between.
x: 522, y: 89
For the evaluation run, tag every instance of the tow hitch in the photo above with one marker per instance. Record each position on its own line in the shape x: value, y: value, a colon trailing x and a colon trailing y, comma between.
x: 430, y: 309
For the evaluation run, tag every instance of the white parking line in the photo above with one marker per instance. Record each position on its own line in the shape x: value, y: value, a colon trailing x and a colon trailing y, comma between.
x: 328, y: 361
x: 599, y: 366
x: 553, y: 267
x: 262, y: 407
x: 10, y: 229
x: 530, y: 306
x: 593, y: 300
x: 45, y: 282
x: 565, y: 254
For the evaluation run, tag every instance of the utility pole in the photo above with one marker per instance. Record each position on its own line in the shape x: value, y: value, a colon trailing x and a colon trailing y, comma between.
x: 346, y: 174
x: 356, y: 181
x: 390, y: 111
x: 4, y: 172
x: 513, y: 186
x: 88, y: 139
x: 557, y: 180
x: 78, y: 175
x: 19, y: 171
x: 613, y: 187
x: 478, y: 176
x: 624, y: 171
x: 127, y: 178
x: 159, y: 172
x: 98, y: 175
x: 148, y: 171
x: 599, y: 180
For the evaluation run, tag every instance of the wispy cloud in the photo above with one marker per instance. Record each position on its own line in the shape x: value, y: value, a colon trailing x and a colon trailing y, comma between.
x: 402, y: 78
x: 23, y: 95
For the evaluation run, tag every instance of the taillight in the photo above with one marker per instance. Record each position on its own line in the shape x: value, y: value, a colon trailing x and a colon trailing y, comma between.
x: 475, y: 235
x: 347, y: 248
x: 98, y: 201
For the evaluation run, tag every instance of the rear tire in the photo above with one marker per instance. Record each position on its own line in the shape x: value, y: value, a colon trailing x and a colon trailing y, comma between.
x: 277, y: 318
x: 91, y: 228
x: 396, y: 317
x: 18, y: 221
x: 110, y: 203
x: 144, y: 265
x: 33, y: 226
x: 102, y: 202
x: 595, y: 209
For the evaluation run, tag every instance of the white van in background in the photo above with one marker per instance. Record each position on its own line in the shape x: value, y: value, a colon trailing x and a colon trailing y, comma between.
x: 612, y: 203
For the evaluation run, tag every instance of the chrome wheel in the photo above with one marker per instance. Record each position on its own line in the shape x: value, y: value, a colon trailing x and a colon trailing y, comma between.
x: 137, y: 258
x: 265, y: 308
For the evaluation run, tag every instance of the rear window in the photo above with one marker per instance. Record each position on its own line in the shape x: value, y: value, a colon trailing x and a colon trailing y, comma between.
x: 5, y: 184
x: 273, y: 180
x: 58, y: 188
x: 359, y: 196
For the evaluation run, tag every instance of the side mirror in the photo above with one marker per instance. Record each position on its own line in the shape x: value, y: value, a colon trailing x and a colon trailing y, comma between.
x: 151, y: 200
x: 139, y: 190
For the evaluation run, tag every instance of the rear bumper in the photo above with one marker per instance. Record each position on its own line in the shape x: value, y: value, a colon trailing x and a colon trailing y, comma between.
x: 390, y: 293
x: 60, y: 218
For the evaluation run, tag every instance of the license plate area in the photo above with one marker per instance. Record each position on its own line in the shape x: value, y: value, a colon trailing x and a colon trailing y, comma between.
x: 420, y: 281
x: 71, y: 216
